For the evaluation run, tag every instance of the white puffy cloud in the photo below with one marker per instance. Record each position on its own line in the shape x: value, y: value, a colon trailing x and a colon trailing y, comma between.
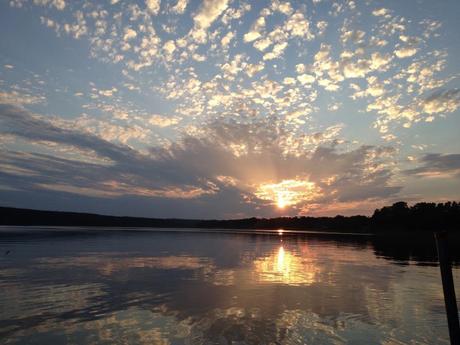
x: 298, y: 25
x: 256, y: 30
x: 289, y: 81
x: 405, y: 52
x: 355, y: 36
x: 263, y: 43
x: 163, y: 121
x: 277, y: 51
x: 321, y: 26
x: 380, y: 61
x: 180, y: 6
x: 209, y: 11
x: 252, y: 69
x: 20, y: 98
x: 306, y: 79
x: 59, y: 4
x: 283, y: 7
x: 441, y: 102
x: 380, y: 12
x: 356, y: 69
x: 129, y: 34
x: 227, y: 38
x: 153, y: 6
x: 409, y: 47
x: 108, y: 92
x: 77, y: 29
x: 169, y: 47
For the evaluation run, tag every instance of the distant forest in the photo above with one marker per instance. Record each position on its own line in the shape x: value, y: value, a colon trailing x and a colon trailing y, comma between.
x: 397, y: 217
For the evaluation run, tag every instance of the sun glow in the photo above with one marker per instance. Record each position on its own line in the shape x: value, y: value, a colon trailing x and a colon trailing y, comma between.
x: 287, y: 192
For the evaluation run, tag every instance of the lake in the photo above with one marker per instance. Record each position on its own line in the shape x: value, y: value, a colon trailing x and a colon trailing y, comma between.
x: 87, y: 286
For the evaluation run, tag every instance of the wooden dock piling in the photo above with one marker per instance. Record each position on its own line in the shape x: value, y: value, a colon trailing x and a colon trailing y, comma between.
x: 448, y: 287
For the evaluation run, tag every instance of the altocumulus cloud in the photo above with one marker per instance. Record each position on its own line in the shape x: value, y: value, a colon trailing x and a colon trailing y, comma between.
x: 220, y: 171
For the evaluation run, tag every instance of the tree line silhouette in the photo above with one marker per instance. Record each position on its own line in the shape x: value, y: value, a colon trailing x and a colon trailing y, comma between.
x: 398, y: 217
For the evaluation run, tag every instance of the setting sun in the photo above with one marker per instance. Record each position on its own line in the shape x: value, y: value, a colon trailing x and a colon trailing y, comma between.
x: 229, y: 171
x: 280, y: 201
x: 288, y: 192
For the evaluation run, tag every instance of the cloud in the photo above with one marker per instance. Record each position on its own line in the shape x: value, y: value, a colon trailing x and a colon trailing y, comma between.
x: 297, y: 25
x: 409, y: 48
x: 442, y: 101
x: 266, y: 63
x: 263, y: 43
x: 252, y: 155
x: 129, y: 34
x: 253, y: 69
x: 126, y: 173
x: 321, y: 26
x: 227, y: 38
x: 380, y: 61
x: 153, y: 6
x: 20, y: 98
x: 437, y: 165
x: 278, y: 50
x: 283, y: 7
x: 108, y: 92
x: 20, y: 122
x: 169, y: 47
x: 58, y: 4
x: 355, y: 36
x: 405, y: 52
x: 256, y: 30
x: 306, y: 79
x: 356, y: 69
x: 180, y: 6
x: 163, y: 121
x: 380, y: 12
x: 209, y: 11
x: 77, y: 29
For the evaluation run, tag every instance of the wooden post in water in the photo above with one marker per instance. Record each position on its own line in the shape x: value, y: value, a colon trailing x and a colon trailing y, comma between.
x: 448, y: 287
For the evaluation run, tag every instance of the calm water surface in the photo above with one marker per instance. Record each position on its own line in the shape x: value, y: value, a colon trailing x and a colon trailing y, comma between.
x: 83, y: 286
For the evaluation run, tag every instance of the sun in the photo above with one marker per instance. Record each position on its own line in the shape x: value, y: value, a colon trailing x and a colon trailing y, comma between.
x: 280, y: 202
x: 287, y: 193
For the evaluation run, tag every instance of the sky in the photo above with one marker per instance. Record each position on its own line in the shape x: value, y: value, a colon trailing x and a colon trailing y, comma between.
x: 228, y: 108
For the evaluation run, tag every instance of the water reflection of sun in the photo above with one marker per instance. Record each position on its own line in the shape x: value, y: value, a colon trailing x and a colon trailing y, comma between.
x: 282, y: 264
x: 285, y: 267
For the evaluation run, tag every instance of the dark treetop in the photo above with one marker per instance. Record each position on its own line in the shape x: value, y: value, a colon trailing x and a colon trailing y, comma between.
x: 398, y: 217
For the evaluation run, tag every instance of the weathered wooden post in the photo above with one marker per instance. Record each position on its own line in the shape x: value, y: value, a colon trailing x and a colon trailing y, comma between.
x: 448, y: 287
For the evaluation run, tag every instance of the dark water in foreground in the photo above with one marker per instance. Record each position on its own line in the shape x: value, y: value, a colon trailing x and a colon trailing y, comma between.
x: 143, y: 287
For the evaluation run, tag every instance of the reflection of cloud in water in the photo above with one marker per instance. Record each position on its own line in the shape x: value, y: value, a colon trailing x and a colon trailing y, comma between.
x: 225, y: 277
x: 216, y: 289
x: 21, y: 299
x: 42, y: 306
x: 108, y: 265
x: 134, y: 326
